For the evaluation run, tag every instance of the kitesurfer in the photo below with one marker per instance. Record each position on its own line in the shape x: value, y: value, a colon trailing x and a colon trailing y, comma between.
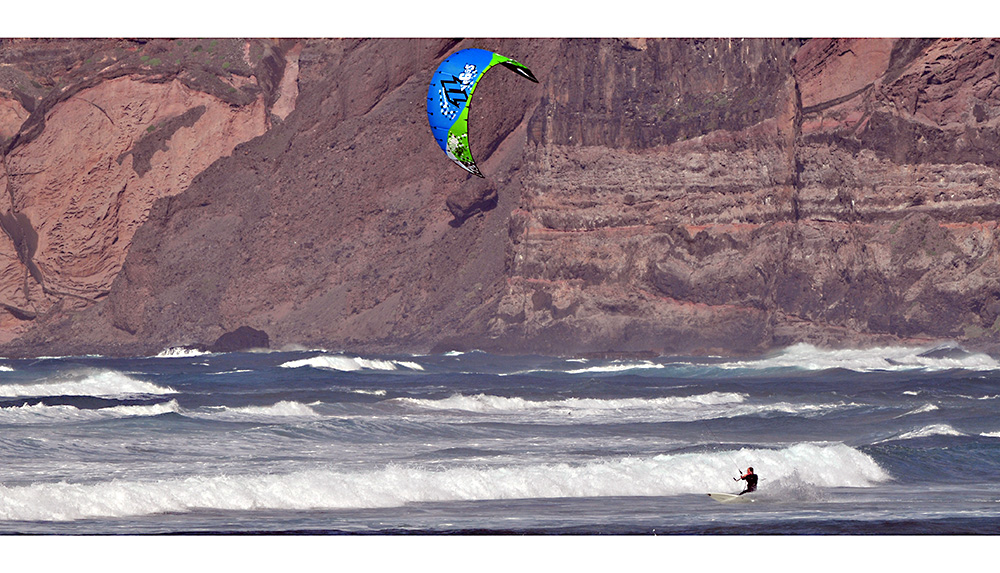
x: 751, y: 479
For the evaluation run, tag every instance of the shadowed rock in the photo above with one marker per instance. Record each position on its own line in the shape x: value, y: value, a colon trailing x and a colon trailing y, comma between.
x: 476, y: 196
x: 243, y: 338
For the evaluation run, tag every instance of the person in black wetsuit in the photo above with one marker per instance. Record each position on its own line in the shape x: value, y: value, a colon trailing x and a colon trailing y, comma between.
x: 751, y: 481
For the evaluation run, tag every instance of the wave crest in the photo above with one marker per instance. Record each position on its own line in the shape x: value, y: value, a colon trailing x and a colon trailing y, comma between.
x: 797, y: 466
x: 351, y: 363
x: 808, y: 357
x: 925, y: 432
x: 90, y: 382
x: 282, y: 409
x: 595, y: 410
x: 62, y: 413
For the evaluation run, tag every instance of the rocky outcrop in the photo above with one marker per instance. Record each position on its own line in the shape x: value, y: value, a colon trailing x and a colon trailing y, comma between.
x: 647, y: 196
x: 243, y: 338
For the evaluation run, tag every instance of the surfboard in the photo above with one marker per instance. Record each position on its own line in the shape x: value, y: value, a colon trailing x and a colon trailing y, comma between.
x: 731, y: 498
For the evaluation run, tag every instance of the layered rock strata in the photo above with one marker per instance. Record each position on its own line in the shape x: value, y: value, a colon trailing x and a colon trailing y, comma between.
x: 648, y: 196
x: 122, y: 126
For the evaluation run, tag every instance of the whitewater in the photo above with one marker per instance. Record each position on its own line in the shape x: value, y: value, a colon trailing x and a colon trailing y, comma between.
x: 875, y: 441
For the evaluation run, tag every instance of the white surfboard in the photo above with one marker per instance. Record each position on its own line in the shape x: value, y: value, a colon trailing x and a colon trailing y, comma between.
x: 731, y: 498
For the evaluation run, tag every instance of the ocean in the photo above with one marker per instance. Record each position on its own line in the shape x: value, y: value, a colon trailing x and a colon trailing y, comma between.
x: 880, y: 442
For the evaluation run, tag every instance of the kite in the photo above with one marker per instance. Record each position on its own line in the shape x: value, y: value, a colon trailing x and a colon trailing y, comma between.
x: 448, y: 99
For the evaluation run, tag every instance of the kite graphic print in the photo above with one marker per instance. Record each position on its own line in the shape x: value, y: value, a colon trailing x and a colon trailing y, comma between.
x: 448, y: 100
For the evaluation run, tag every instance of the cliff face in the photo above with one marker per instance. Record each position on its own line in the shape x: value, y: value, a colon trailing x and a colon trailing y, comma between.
x: 93, y: 133
x: 658, y: 196
x: 838, y: 192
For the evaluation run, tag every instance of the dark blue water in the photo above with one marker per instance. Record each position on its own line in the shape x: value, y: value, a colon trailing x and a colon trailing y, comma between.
x: 893, y: 441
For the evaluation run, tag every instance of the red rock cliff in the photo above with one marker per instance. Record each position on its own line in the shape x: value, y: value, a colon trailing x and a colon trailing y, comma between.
x: 647, y: 196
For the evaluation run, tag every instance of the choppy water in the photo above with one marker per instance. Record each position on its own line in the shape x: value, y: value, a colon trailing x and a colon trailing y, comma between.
x: 879, y: 441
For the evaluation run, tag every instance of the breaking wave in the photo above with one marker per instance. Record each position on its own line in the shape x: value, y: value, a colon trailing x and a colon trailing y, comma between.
x: 795, y: 470
x: 921, y: 410
x: 351, y: 363
x: 671, y: 408
x: 283, y: 409
x: 618, y: 367
x: 925, y: 432
x: 41, y: 413
x: 89, y: 382
x: 44, y: 414
x: 181, y: 352
x: 808, y: 357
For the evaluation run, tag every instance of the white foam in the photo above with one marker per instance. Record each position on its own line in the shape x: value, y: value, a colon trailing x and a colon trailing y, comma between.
x: 42, y: 414
x: 609, y: 368
x: 932, y: 430
x: 489, y: 403
x: 924, y: 432
x: 808, y: 357
x: 180, y: 352
x: 920, y: 410
x: 618, y: 367
x: 593, y: 410
x: 63, y: 413
x: 350, y: 363
x: 89, y: 382
x: 5, y: 368
x: 805, y: 356
x: 282, y: 409
x: 798, y: 466
x: 369, y: 392
x: 235, y: 371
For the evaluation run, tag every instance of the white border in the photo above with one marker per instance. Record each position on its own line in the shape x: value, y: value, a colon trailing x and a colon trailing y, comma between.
x: 513, y: 18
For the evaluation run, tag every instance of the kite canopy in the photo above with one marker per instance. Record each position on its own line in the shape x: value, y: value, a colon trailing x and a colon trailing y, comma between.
x: 448, y: 99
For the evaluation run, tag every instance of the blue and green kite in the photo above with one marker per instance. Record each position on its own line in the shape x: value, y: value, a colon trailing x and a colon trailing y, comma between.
x: 448, y: 99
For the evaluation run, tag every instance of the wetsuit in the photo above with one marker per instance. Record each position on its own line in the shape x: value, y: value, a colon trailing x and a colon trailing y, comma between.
x: 751, y: 483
